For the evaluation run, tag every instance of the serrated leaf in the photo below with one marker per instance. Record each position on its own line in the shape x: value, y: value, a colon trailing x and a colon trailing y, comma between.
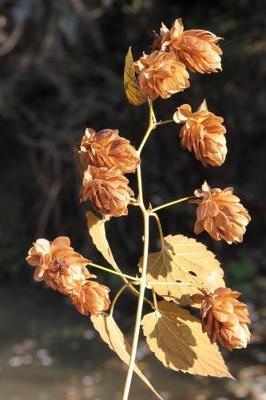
x: 96, y: 228
x: 177, y: 340
x: 112, y: 335
x: 182, y: 267
x: 131, y: 85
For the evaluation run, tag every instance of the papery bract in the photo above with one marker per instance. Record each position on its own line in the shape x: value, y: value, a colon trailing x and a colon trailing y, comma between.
x: 160, y: 74
x: 58, y: 265
x: 221, y: 214
x: 107, y: 190
x: 106, y: 148
x: 91, y: 299
x: 203, y: 133
x: 196, y: 48
x: 224, y: 318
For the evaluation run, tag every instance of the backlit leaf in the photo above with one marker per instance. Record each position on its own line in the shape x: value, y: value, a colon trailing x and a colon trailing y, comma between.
x: 182, y: 267
x: 96, y: 227
x: 112, y: 335
x: 177, y: 340
x: 131, y: 85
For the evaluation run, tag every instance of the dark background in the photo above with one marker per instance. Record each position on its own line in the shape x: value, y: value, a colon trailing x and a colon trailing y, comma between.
x: 61, y: 67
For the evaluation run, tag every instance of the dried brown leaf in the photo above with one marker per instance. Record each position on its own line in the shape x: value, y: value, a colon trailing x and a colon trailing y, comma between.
x: 177, y: 340
x: 186, y: 262
x: 112, y: 335
x: 131, y: 85
x: 96, y: 228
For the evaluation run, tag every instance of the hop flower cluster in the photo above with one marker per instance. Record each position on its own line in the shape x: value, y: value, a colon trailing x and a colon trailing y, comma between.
x: 221, y: 214
x: 104, y: 158
x: 63, y: 269
x: 164, y: 71
x: 224, y: 318
x: 203, y: 133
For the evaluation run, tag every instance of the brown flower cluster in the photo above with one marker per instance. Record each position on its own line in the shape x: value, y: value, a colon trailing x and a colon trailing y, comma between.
x: 196, y: 48
x: 221, y: 214
x: 203, y: 133
x: 104, y: 158
x: 224, y: 318
x: 164, y: 71
x: 161, y: 75
x: 63, y: 269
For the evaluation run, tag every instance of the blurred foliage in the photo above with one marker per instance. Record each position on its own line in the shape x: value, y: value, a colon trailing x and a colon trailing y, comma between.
x: 242, y: 274
x: 61, y: 70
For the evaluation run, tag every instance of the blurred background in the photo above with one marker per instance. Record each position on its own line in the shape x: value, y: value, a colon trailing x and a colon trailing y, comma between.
x: 61, y: 67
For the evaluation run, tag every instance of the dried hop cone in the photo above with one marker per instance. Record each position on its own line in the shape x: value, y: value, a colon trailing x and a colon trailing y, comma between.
x: 91, y: 298
x: 224, y: 318
x: 107, y: 189
x: 106, y: 148
x: 221, y: 214
x: 203, y: 132
x: 58, y: 265
x: 196, y: 48
x: 161, y: 75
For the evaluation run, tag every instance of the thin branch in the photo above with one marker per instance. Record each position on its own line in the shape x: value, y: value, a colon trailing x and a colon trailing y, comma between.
x: 120, y: 291
x: 154, y: 299
x: 172, y: 203
x: 151, y: 127
x: 166, y: 122
x: 146, y: 220
x: 111, y: 271
x: 157, y: 219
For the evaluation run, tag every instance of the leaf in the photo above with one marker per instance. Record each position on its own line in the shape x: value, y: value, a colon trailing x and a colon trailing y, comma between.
x: 112, y: 335
x: 96, y: 227
x: 131, y: 85
x: 183, y: 266
x: 177, y: 340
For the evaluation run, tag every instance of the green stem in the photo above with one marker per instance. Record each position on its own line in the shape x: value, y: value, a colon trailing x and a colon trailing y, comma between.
x: 120, y: 291
x: 167, y: 121
x: 140, y: 306
x: 157, y: 219
x: 151, y: 127
x: 172, y: 203
x: 111, y: 271
x: 142, y: 281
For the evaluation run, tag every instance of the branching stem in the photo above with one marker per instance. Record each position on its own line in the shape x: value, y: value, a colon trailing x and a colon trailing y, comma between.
x: 157, y: 219
x: 146, y: 220
x: 118, y: 294
x: 111, y: 271
x: 166, y: 122
x: 172, y: 203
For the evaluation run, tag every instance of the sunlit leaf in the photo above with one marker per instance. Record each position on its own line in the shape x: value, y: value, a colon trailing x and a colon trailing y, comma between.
x: 182, y: 267
x: 96, y: 227
x: 131, y: 85
x: 112, y: 335
x: 177, y: 340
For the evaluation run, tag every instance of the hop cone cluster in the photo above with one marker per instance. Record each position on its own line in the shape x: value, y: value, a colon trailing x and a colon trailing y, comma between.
x: 224, y: 318
x: 63, y: 269
x: 104, y: 158
x: 221, y: 214
x: 164, y: 71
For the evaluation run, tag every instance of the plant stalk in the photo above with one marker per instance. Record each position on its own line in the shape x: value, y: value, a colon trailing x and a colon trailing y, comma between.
x: 111, y: 271
x: 140, y: 306
x: 142, y: 281
x: 172, y: 203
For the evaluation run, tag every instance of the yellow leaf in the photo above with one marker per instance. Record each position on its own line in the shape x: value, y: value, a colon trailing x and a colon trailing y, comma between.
x: 177, y: 340
x: 96, y: 227
x: 182, y: 267
x: 112, y: 335
x: 131, y: 85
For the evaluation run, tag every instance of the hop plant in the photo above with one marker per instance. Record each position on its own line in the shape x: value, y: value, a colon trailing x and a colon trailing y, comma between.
x: 183, y: 274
